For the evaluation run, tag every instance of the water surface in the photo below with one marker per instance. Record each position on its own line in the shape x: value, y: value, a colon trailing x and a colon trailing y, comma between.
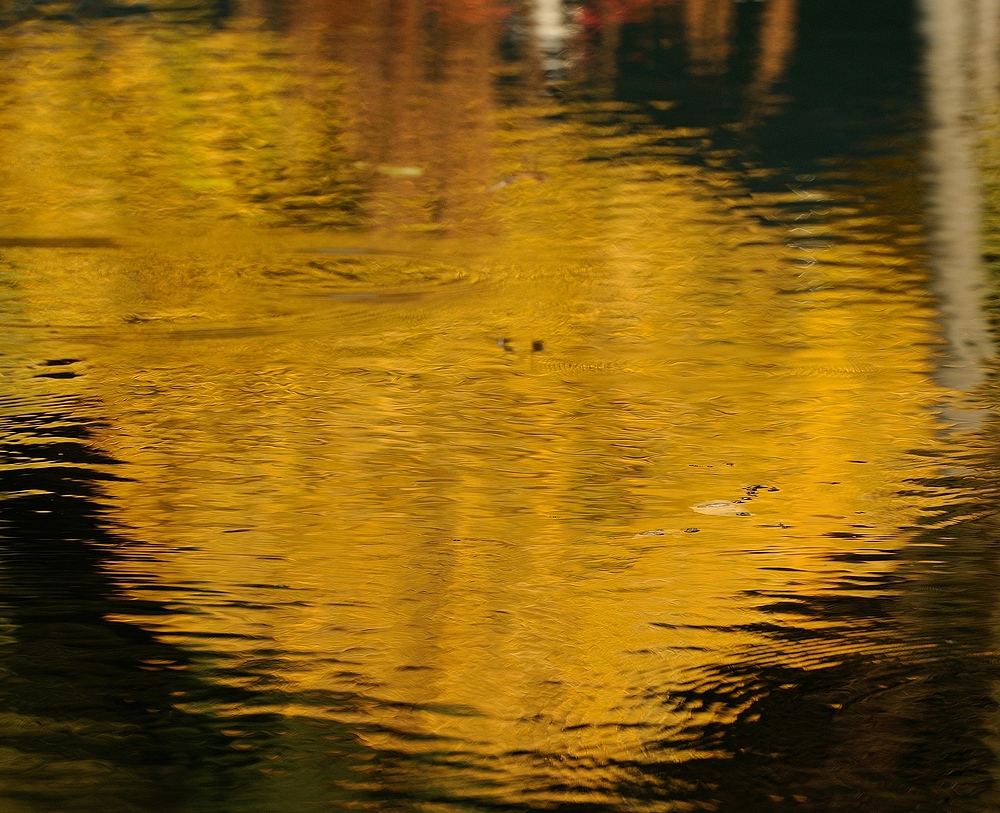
x: 479, y: 406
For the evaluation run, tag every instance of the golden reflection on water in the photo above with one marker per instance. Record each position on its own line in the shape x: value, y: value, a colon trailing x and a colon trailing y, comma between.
x: 443, y: 462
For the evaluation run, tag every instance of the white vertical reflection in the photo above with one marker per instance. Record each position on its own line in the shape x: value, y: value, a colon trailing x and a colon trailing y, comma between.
x: 551, y: 31
x: 961, y: 79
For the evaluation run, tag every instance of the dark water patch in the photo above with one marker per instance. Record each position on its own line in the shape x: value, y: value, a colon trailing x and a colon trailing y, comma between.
x: 91, y: 713
x: 59, y: 375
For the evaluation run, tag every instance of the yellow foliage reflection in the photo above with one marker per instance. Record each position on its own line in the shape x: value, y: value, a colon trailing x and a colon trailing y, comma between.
x: 418, y: 391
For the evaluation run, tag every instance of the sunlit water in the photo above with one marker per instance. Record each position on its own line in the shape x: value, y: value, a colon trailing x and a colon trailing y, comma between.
x: 462, y: 406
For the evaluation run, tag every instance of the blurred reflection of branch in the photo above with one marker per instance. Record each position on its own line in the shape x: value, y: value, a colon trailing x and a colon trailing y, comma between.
x: 961, y: 73
x: 709, y: 26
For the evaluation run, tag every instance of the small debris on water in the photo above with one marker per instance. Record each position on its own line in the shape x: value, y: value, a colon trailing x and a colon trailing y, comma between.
x: 751, y: 491
x: 720, y: 508
x: 537, y: 346
x: 691, y: 530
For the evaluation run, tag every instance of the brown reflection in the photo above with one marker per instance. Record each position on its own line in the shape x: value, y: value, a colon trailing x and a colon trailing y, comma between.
x: 775, y: 49
x: 776, y: 42
x: 381, y: 116
x: 709, y: 30
x: 419, y: 95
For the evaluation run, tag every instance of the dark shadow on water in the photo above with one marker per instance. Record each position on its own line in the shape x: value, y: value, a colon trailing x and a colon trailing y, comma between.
x: 90, y: 705
x: 851, y: 81
x: 100, y: 714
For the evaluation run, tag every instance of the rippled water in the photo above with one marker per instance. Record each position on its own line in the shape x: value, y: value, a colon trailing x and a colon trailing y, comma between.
x: 498, y: 406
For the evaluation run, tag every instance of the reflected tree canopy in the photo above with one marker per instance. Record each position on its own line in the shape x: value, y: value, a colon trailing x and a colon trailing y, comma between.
x: 466, y: 405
